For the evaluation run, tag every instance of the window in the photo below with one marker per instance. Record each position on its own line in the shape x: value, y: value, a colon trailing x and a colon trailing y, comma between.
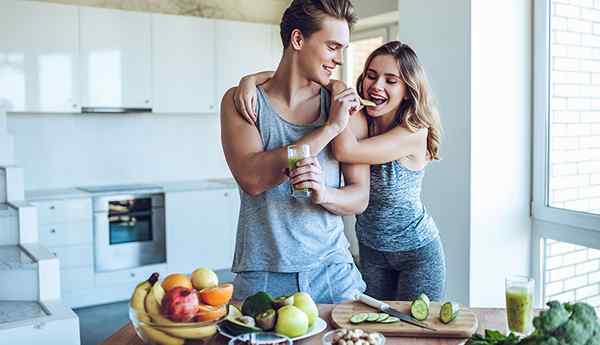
x: 361, y: 45
x: 566, y: 198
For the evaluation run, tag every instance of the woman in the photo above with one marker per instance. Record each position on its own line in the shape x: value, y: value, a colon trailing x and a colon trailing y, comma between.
x: 401, y: 253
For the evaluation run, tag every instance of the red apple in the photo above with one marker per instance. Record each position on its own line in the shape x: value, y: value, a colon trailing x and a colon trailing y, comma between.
x: 180, y: 304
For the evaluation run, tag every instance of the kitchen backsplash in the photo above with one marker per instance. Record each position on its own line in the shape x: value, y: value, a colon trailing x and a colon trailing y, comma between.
x: 260, y: 11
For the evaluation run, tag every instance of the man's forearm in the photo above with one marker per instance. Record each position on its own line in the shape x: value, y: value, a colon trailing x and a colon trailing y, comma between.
x: 346, y: 201
x: 265, y: 170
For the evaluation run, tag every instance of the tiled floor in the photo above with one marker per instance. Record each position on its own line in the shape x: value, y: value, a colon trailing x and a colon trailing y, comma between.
x: 99, y: 322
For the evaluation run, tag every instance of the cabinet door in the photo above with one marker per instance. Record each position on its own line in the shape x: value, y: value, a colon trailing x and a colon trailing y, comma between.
x: 115, y: 58
x: 39, y: 45
x: 183, y: 60
x: 242, y: 48
x: 199, y: 230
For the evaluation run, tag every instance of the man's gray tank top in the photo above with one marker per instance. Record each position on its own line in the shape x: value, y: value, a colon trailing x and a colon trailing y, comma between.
x: 277, y: 232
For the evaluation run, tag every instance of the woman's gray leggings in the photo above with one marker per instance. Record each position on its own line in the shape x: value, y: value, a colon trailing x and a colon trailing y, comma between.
x: 402, y: 276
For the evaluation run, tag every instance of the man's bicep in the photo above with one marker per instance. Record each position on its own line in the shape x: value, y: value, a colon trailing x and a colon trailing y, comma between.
x: 239, y: 138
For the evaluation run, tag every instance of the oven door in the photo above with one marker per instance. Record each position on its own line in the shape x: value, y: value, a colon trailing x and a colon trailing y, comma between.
x: 129, y: 231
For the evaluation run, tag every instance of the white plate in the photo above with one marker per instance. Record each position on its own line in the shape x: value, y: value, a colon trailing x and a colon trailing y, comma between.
x: 319, y: 326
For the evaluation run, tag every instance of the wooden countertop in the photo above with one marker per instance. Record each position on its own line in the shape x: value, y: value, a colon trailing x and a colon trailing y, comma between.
x: 489, y: 318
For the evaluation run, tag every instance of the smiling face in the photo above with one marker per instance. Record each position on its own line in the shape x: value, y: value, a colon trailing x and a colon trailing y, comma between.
x: 321, y: 53
x: 383, y: 85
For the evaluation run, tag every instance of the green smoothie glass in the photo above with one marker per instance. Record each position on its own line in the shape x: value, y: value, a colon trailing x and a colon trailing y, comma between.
x: 297, y: 153
x: 519, y: 304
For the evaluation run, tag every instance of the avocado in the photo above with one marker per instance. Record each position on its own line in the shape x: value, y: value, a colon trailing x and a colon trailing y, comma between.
x: 266, y: 320
x: 236, y: 327
x: 257, y: 304
x: 282, y: 301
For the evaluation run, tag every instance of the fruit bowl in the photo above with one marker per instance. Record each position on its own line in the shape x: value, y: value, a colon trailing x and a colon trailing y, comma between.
x: 155, y: 329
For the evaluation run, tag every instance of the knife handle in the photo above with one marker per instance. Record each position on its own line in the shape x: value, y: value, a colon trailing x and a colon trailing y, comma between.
x: 370, y: 301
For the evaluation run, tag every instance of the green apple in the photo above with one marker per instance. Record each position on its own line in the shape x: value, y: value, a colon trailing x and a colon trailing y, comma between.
x: 304, y: 302
x: 291, y: 321
x: 204, y: 278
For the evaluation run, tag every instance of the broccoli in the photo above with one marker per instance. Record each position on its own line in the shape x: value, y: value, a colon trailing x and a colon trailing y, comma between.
x: 561, y: 324
x: 580, y: 327
x: 551, y: 319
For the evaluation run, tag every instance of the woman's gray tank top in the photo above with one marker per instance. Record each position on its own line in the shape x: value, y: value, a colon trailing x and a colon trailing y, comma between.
x: 277, y: 232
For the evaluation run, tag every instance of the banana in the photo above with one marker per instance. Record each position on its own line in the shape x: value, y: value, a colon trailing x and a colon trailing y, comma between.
x: 157, y: 337
x: 139, y: 296
x: 190, y: 333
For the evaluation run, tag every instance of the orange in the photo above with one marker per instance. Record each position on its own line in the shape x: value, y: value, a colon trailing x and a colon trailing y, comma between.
x: 217, y: 295
x: 209, y: 313
x: 175, y: 280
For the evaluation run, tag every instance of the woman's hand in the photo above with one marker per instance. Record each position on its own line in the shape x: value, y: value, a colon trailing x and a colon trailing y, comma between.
x: 344, y: 104
x: 308, y: 174
x: 245, y: 98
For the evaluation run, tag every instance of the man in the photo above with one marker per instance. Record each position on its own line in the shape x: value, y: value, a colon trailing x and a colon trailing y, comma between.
x: 286, y: 244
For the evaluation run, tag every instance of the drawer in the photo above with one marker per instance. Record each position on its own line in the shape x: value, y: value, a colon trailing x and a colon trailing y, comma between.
x: 133, y: 275
x: 64, y: 234
x: 63, y: 211
x: 74, y: 256
x: 76, y: 278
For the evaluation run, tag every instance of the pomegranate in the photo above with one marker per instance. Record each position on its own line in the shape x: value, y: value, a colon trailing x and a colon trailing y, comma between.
x: 180, y: 304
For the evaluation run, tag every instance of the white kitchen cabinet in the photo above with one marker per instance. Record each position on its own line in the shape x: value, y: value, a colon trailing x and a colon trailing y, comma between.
x: 183, y: 60
x: 201, y: 228
x: 115, y: 58
x: 243, y: 48
x: 39, y: 45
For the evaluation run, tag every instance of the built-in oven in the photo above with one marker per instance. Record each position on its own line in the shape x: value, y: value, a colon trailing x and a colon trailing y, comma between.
x: 129, y: 231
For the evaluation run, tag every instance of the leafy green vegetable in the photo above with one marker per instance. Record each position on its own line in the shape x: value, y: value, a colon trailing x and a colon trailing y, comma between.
x: 561, y: 324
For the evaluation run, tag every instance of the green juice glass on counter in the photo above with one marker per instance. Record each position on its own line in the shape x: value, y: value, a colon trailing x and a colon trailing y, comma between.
x: 519, y: 304
x: 297, y: 153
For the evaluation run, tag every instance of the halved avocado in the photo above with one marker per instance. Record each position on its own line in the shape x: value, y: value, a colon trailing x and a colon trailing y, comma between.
x: 282, y: 301
x: 235, y: 327
x: 266, y: 320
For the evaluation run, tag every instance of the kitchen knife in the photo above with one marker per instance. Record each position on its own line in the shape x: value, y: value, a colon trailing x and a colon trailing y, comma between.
x: 386, y: 308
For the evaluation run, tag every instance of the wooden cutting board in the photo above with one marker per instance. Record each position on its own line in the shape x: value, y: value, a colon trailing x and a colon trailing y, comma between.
x: 463, y: 326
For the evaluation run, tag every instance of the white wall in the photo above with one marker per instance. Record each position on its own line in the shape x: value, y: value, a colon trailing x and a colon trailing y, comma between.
x: 479, y: 192
x: 369, y: 8
x: 76, y: 150
x: 438, y: 33
x: 501, y: 51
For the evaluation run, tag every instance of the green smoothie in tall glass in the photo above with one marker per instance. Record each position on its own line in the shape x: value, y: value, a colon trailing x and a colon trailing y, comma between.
x: 297, y: 153
x: 519, y: 308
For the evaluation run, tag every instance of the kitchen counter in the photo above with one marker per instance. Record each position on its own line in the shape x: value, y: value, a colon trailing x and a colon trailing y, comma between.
x: 167, y: 187
x: 489, y: 318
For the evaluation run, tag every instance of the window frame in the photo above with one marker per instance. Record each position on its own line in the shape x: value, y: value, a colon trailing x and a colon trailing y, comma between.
x: 563, y: 225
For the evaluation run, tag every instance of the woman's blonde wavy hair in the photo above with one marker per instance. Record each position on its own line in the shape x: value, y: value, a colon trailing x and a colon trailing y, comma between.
x: 417, y: 110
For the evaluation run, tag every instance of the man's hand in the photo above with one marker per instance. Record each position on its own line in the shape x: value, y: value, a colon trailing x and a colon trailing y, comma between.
x: 344, y: 104
x: 308, y: 174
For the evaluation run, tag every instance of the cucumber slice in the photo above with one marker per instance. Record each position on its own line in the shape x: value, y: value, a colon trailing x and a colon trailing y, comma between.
x: 382, y: 316
x: 419, y: 309
x: 425, y: 298
x: 358, y: 318
x: 390, y: 319
x: 449, y: 312
x: 373, y: 317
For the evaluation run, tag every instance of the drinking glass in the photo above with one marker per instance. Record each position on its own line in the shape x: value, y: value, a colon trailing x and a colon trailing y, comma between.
x: 297, y: 153
x: 519, y: 304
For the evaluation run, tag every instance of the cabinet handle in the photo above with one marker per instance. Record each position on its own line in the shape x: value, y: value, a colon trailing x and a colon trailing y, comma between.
x: 53, y: 253
x: 52, y: 231
x: 147, y: 101
x: 211, y: 107
x: 132, y: 275
x: 74, y: 105
x: 52, y: 207
x: 226, y: 194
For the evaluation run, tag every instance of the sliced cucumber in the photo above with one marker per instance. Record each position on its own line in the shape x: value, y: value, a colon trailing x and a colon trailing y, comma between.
x: 449, y: 312
x: 382, y: 316
x: 391, y: 319
x: 373, y: 317
x: 419, y: 309
x: 358, y: 318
